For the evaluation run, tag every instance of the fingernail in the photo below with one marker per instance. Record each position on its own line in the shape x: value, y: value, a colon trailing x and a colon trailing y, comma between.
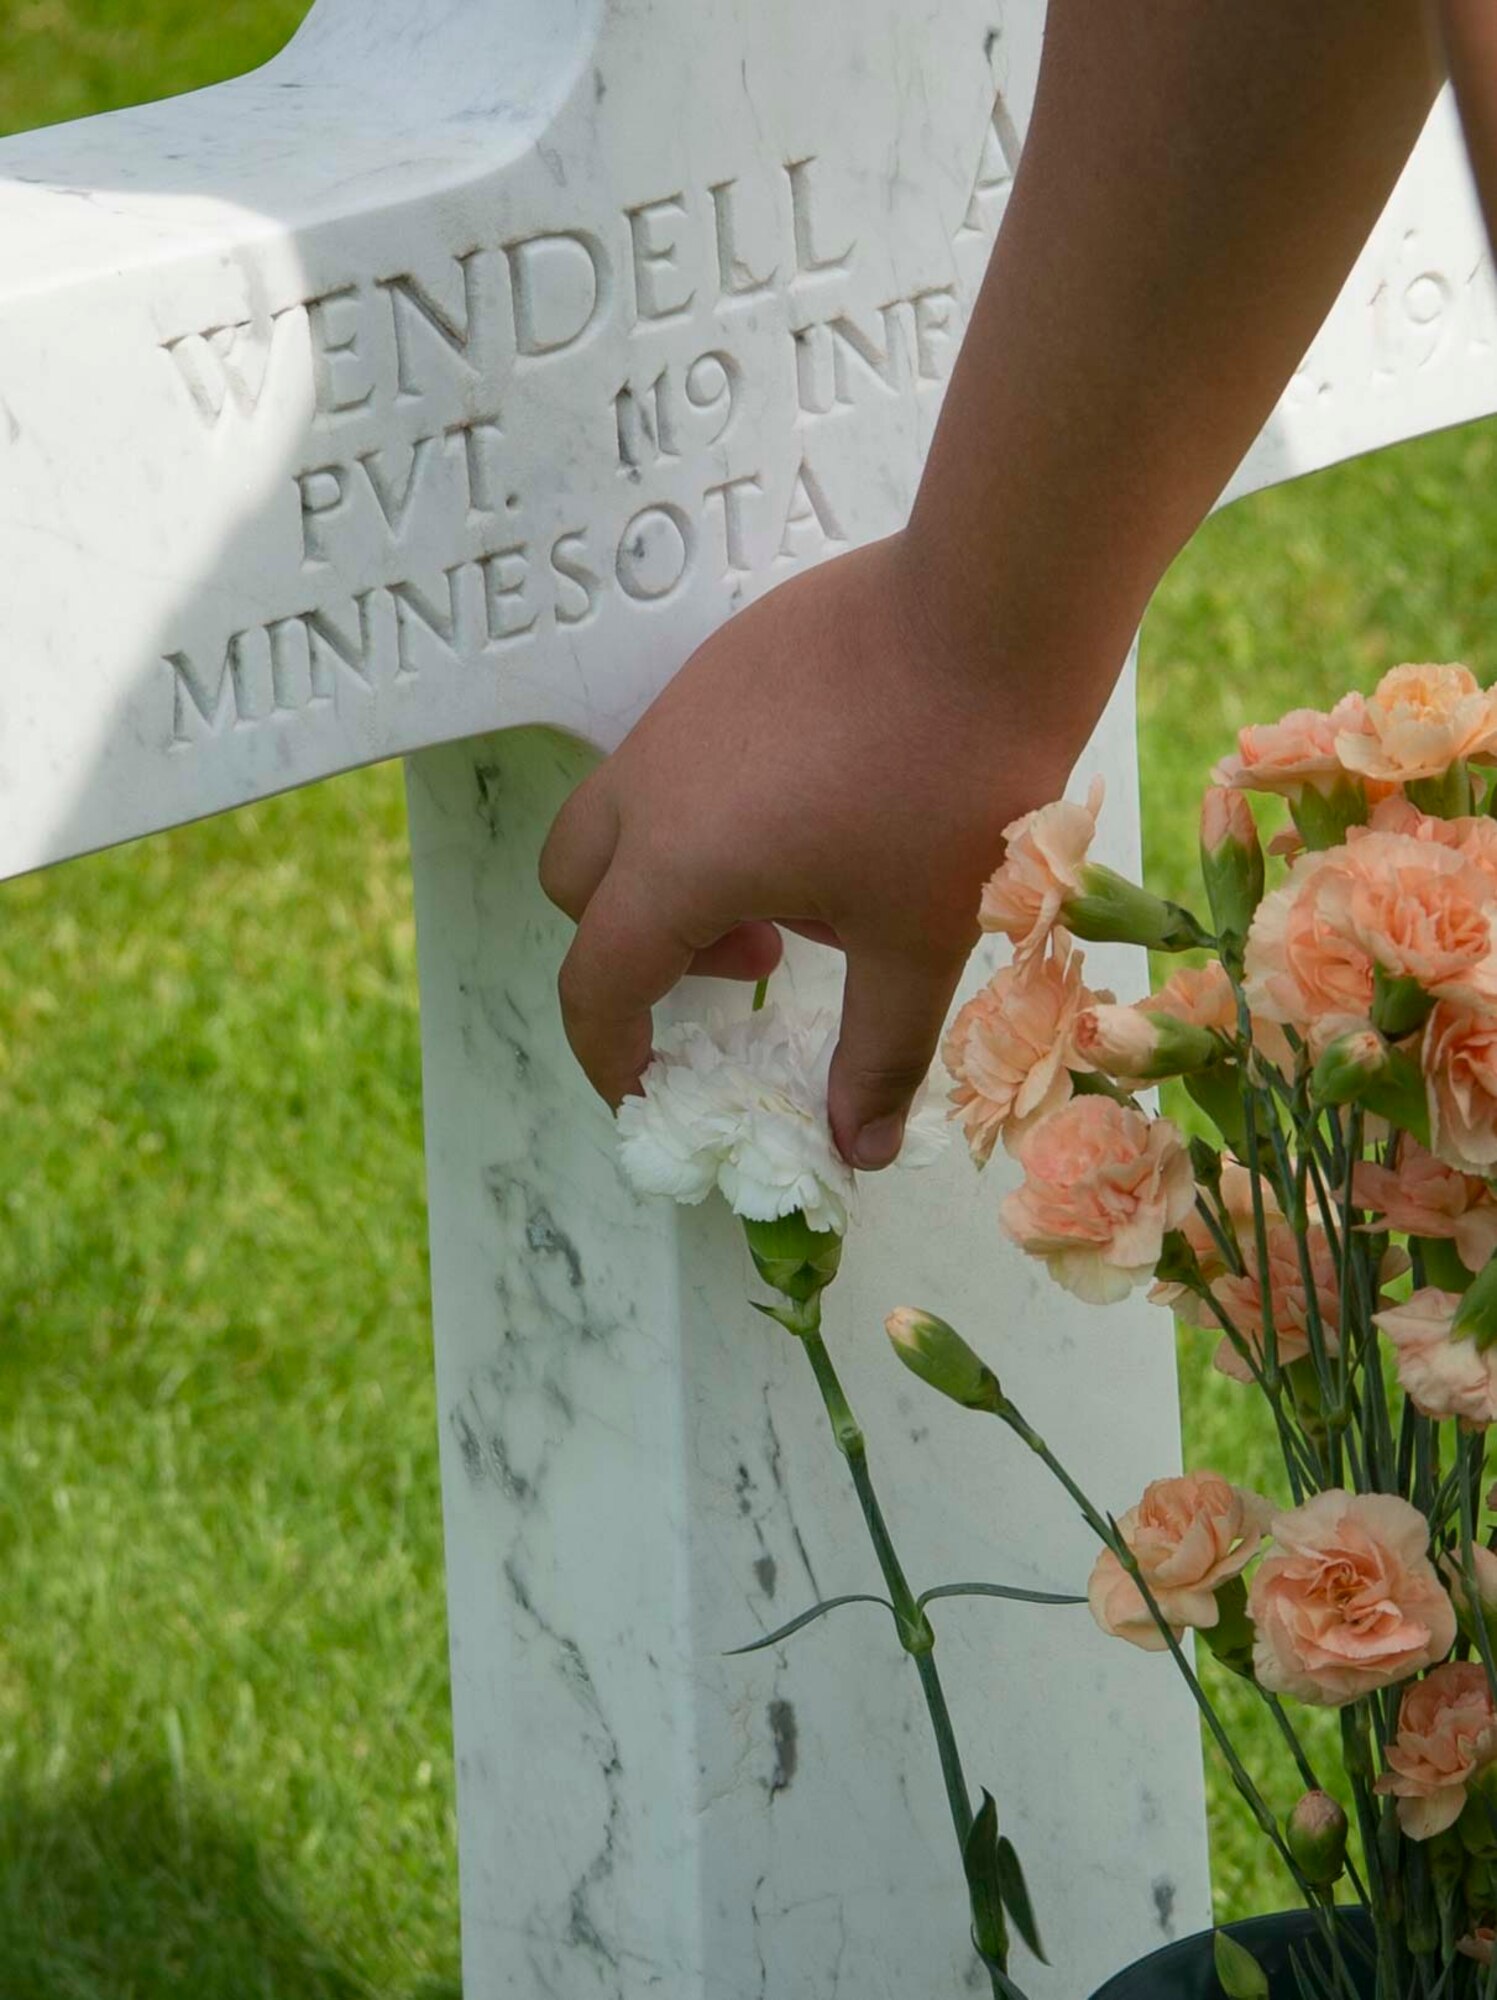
x: 878, y: 1143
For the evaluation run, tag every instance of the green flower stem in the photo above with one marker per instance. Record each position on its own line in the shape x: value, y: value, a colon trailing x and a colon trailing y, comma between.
x: 1106, y: 1532
x: 1470, y: 1459
x: 951, y: 1764
x: 1295, y: 1177
x: 1298, y: 1464
x: 1260, y: 1222
x: 1356, y: 1755
x: 915, y: 1632
x: 1221, y: 1236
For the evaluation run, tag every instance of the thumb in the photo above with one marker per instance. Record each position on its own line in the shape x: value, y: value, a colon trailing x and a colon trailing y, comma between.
x: 893, y: 1007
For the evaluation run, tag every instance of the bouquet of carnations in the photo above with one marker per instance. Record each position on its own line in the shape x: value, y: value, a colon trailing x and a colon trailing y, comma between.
x: 1332, y: 1222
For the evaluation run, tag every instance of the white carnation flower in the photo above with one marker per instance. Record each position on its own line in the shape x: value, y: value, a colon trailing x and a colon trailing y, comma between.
x: 741, y: 1105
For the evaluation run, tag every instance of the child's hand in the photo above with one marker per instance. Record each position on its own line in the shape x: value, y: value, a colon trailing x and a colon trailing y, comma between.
x: 828, y: 761
x: 843, y: 757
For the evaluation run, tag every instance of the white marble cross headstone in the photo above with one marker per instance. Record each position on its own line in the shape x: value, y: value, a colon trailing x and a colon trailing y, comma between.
x: 459, y: 371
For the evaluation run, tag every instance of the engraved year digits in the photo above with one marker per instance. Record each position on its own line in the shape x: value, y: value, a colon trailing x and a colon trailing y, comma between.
x: 1430, y: 316
x: 679, y: 410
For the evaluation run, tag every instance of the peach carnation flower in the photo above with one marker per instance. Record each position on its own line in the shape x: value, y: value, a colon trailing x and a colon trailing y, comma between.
x: 1348, y: 1601
x: 1200, y: 995
x: 1010, y: 1049
x: 1459, y: 1055
x: 1475, y: 841
x: 1479, y: 1944
x: 1286, y: 756
x: 1442, y: 1377
x: 1424, y: 1197
x: 1226, y: 819
x: 1416, y: 908
x: 1190, y: 1535
x: 1044, y: 855
x: 1447, y: 1732
x: 1473, y: 835
x: 1420, y: 910
x: 1302, y: 967
x: 1121, y: 1041
x: 1103, y: 1185
x: 1420, y: 721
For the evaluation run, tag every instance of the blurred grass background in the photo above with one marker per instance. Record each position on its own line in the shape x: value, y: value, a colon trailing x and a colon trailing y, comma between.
x: 225, y: 1757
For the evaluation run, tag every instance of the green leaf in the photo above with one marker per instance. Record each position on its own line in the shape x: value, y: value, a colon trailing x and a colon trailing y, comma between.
x: 808, y: 1618
x: 980, y: 1860
x: 1302, y: 1978
x: 995, y: 1590
x: 1015, y: 1893
x: 1241, y: 1976
x: 1316, y: 1982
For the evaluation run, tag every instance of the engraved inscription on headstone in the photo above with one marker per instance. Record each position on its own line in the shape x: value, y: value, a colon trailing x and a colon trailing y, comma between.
x: 407, y: 478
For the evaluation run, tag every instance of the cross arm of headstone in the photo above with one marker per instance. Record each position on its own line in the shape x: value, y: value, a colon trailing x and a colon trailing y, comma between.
x: 464, y: 366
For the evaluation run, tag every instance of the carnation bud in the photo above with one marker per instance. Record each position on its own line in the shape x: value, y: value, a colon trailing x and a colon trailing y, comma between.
x: 793, y: 1258
x: 1136, y: 1042
x: 1316, y: 1837
x: 1360, y: 1068
x: 1322, y: 818
x: 1231, y: 860
x: 1476, y: 1315
x: 1112, y: 910
x: 1348, y: 1065
x: 936, y: 1352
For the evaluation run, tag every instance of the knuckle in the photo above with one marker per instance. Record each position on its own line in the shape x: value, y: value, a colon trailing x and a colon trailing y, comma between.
x: 892, y: 1080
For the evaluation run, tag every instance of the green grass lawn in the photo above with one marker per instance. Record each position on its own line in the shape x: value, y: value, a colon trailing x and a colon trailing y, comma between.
x: 225, y: 1761
x: 67, y: 58
x: 225, y: 1751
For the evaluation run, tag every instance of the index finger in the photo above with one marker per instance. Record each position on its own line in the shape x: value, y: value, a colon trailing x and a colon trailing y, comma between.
x: 626, y: 956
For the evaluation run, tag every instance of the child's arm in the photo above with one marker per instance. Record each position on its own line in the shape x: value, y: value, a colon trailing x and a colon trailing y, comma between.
x: 1469, y: 31
x: 843, y: 755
